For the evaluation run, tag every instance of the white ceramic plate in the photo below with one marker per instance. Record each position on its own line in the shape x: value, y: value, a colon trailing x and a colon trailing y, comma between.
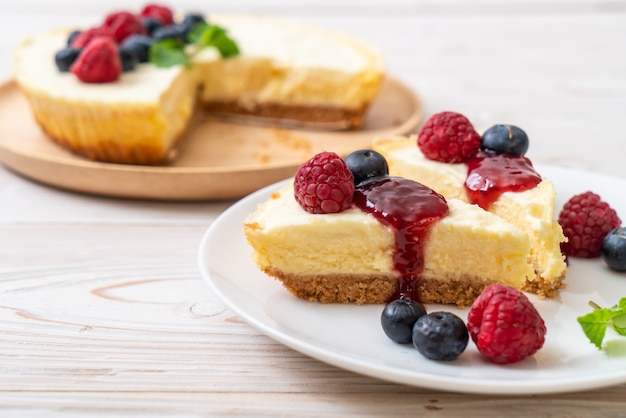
x: 351, y: 337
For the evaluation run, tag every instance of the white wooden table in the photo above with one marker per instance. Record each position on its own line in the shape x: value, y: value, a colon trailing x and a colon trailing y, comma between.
x: 102, y: 308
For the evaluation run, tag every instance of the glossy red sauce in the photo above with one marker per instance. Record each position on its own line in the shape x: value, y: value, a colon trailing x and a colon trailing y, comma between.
x: 490, y: 175
x: 410, y: 209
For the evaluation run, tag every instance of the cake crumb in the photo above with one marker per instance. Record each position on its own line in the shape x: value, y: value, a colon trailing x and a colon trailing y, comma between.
x: 286, y: 138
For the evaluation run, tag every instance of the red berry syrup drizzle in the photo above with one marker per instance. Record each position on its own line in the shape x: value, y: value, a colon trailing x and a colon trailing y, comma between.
x: 490, y: 175
x: 410, y: 209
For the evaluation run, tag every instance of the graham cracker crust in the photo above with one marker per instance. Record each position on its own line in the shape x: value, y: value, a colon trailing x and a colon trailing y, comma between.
x: 544, y: 288
x: 290, y: 115
x: 376, y: 289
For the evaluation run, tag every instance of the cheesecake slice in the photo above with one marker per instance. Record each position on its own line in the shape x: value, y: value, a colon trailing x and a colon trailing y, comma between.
x: 532, y: 210
x: 290, y: 73
x: 353, y: 257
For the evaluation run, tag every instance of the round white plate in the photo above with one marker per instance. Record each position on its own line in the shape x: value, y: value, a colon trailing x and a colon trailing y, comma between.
x: 350, y: 336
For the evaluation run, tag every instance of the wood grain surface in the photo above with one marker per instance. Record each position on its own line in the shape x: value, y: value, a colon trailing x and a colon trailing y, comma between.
x: 102, y: 308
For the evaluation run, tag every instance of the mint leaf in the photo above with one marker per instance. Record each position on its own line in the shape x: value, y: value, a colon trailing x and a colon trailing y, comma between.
x: 226, y: 46
x: 197, y: 32
x: 619, y: 324
x: 167, y: 53
x: 170, y: 52
x: 215, y: 36
x: 595, y: 323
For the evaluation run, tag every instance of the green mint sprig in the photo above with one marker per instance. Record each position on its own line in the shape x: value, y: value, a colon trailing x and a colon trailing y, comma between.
x: 595, y: 323
x: 169, y: 52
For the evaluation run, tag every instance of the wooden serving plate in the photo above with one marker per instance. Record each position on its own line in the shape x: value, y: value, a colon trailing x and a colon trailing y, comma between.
x: 218, y: 160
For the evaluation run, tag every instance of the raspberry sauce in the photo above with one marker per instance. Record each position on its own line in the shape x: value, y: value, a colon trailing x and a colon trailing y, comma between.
x: 410, y: 209
x: 490, y: 175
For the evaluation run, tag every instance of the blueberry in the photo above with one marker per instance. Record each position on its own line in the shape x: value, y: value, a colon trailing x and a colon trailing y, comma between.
x: 192, y: 19
x: 440, y: 336
x: 366, y: 164
x: 138, y: 45
x: 128, y: 58
x: 176, y: 31
x: 65, y: 58
x: 398, y: 319
x: 151, y: 24
x: 614, y: 249
x: 71, y: 37
x: 505, y: 139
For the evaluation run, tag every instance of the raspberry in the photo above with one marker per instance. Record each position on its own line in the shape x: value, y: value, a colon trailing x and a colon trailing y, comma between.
x: 99, y: 62
x: 448, y: 137
x: 324, y: 184
x: 83, y: 38
x: 123, y: 24
x: 586, y: 219
x: 504, y: 325
x: 161, y: 13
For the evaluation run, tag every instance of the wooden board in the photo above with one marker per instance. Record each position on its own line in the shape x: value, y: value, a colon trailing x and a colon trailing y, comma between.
x: 218, y: 160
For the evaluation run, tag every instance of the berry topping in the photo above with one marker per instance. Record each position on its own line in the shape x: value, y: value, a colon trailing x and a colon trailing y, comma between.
x: 123, y: 24
x: 192, y: 19
x: 448, y: 137
x: 398, y: 319
x: 324, y: 184
x: 161, y: 13
x: 71, y: 36
x: 410, y: 208
x: 99, y: 62
x: 149, y: 36
x: 505, y: 139
x: 490, y: 175
x: 440, y: 336
x: 504, y: 325
x: 128, y: 58
x: 65, y: 58
x: 586, y: 219
x: 614, y: 249
x: 176, y: 31
x: 150, y: 24
x: 138, y: 45
x: 366, y: 164
x: 83, y: 38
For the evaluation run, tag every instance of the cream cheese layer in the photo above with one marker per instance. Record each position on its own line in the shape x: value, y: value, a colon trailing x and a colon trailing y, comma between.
x: 35, y: 69
x: 288, y: 238
x: 296, y: 45
x: 271, y: 46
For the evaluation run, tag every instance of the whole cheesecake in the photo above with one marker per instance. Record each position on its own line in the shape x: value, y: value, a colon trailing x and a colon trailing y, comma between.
x: 396, y: 239
x: 531, y: 210
x: 285, y: 73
